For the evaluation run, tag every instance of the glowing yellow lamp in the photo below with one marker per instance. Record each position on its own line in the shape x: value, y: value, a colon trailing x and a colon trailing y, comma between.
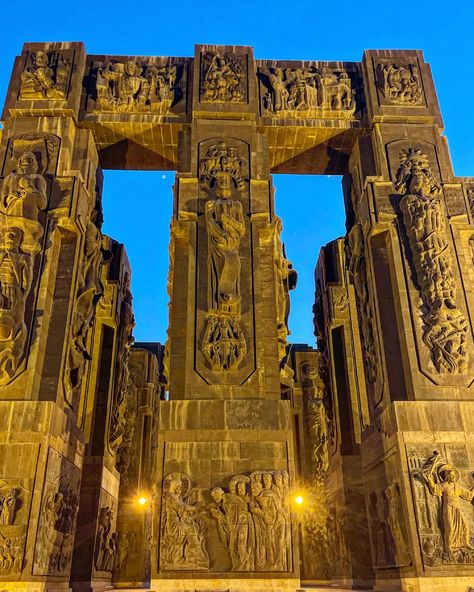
x: 142, y: 501
x: 299, y: 500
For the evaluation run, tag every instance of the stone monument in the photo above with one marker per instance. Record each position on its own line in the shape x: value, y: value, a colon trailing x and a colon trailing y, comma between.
x: 228, y: 458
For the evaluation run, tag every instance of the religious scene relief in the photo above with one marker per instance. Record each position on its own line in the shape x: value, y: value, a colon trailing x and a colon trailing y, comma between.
x: 137, y: 86
x: 23, y: 198
x: 445, y: 325
x: 223, y: 78
x: 183, y: 526
x: 444, y: 509
x: 46, y: 76
x: 106, y: 541
x: 222, y: 176
x: 304, y: 92
x: 399, y: 84
x: 253, y: 521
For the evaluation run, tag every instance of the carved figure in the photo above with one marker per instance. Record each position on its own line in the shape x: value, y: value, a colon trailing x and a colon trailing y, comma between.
x: 182, y: 528
x: 286, y: 279
x: 106, y: 541
x: 137, y: 87
x: 396, y: 523
x: 358, y: 274
x: 221, y: 174
x: 222, y: 79
x: 399, y: 84
x: 442, y: 480
x: 306, y: 90
x: 11, y: 554
x: 46, y: 76
x: 316, y: 420
x: 23, y: 197
x: 88, y: 294
x: 252, y: 521
x: 9, y: 507
x: 445, y: 330
x: 381, y: 542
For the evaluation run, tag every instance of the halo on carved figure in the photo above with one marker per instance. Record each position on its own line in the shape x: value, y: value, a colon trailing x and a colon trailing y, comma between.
x: 174, y: 480
x: 445, y: 468
x: 236, y: 480
x: 309, y: 370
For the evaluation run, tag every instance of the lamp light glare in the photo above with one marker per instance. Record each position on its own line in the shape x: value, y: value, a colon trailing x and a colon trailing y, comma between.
x: 299, y: 500
x: 142, y: 501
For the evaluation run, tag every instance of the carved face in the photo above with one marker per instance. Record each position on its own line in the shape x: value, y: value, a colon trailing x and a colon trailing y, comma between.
x: 27, y: 164
x: 256, y: 488
x: 310, y: 371
x: 278, y: 479
x: 241, y: 488
x: 267, y: 480
x: 450, y: 476
x: 217, y: 494
x: 223, y: 185
x: 131, y: 68
x: 41, y: 59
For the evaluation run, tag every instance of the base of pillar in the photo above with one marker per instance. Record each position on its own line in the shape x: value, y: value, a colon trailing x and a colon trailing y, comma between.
x: 35, y: 587
x: 435, y: 584
x: 226, y: 585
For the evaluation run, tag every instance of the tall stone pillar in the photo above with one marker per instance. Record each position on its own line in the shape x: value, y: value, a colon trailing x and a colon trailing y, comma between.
x: 50, y: 257
x: 409, y: 239
x: 226, y: 452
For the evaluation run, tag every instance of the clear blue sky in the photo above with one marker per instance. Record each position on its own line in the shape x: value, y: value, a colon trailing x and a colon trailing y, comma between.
x: 311, y: 207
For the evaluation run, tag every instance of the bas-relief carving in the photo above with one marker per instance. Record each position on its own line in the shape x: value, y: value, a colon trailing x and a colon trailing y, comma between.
x: 222, y: 175
x: 57, y: 523
x: 387, y: 527
x: 285, y: 280
x: 358, y: 274
x: 105, y: 550
x: 15, y: 498
x: 399, y: 84
x: 137, y: 87
x: 308, y: 92
x: 316, y: 420
x: 445, y: 326
x: 88, y: 293
x: 23, y: 198
x: 46, y: 76
x: 183, y: 532
x: 445, y: 518
x: 125, y: 397
x: 223, y: 78
x: 253, y: 521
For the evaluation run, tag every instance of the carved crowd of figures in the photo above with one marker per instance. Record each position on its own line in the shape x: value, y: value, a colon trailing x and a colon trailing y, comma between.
x: 140, y: 87
x: 222, y: 176
x: 222, y: 78
x: 358, y: 273
x: 183, y: 543
x: 445, y: 326
x: 106, y: 541
x: 11, y: 554
x: 298, y: 89
x: 24, y: 196
x: 399, y: 84
x: 253, y: 520
x: 46, y: 76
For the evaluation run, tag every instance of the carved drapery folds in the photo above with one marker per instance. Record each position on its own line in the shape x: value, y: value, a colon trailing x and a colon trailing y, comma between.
x: 88, y: 293
x: 46, y: 76
x: 445, y: 516
x: 106, y: 541
x: 24, y: 196
x: 222, y: 175
x: 358, y: 274
x: 316, y: 420
x: 134, y: 86
x: 299, y: 91
x: 125, y: 396
x: 286, y: 279
x: 223, y: 78
x: 253, y: 521
x: 183, y: 545
x: 445, y: 326
x: 399, y: 84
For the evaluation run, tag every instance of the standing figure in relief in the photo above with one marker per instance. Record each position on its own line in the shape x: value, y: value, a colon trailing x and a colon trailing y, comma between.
x: 226, y: 226
x: 442, y: 480
x: 396, y: 524
x: 9, y: 507
x: 182, y: 531
x: 280, y: 92
x: 316, y: 420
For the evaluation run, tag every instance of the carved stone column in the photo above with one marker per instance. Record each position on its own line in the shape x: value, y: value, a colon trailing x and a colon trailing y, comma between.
x: 225, y: 437
x: 408, y: 244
